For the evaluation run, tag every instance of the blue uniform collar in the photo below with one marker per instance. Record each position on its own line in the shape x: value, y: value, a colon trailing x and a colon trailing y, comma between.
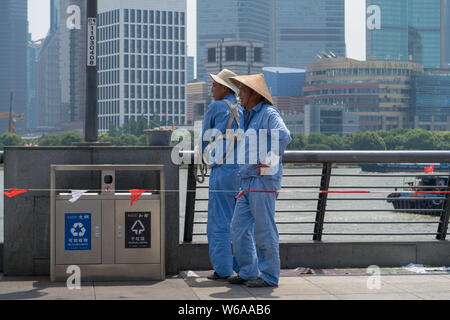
x: 256, y: 109
x: 230, y: 97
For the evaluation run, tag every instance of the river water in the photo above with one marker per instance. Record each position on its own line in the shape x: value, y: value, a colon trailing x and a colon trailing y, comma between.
x: 385, y: 215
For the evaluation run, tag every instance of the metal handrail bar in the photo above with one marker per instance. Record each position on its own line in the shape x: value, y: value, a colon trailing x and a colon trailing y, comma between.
x: 346, y: 199
x: 362, y: 187
x: 384, y: 222
x: 357, y: 199
x: 384, y: 210
x: 346, y: 222
x: 382, y: 234
x: 385, y: 175
x: 359, y: 157
x: 345, y: 234
x: 355, y: 157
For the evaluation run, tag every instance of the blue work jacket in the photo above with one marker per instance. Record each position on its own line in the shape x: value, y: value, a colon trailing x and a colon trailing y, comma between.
x: 263, y: 117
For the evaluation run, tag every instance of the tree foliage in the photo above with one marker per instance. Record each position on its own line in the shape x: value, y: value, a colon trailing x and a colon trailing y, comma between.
x: 50, y: 140
x: 11, y: 139
x: 68, y: 138
x: 397, y: 139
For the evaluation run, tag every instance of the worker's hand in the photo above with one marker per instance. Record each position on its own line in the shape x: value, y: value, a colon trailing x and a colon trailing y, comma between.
x: 269, y: 166
x: 261, y: 168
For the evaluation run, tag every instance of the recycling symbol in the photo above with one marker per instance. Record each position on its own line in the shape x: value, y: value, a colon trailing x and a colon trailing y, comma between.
x: 78, y: 230
x: 138, y: 227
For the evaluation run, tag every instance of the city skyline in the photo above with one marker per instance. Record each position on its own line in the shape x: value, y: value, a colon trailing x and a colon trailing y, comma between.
x: 39, y: 19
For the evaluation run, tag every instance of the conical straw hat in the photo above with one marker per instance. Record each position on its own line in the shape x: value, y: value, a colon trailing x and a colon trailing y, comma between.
x: 223, y: 77
x: 255, y: 82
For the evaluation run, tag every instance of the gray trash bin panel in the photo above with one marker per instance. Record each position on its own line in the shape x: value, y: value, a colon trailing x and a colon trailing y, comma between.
x: 105, y: 235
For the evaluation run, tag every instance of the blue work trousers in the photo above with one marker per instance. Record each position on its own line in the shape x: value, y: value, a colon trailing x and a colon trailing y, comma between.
x: 223, y: 188
x: 254, y: 233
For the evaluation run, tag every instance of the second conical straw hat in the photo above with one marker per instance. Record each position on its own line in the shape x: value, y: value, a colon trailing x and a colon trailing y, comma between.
x: 256, y: 82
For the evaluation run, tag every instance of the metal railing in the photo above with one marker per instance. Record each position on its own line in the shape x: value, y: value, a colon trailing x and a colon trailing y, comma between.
x: 326, y: 159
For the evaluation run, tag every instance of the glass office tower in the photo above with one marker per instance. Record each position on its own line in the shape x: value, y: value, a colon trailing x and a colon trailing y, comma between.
x: 430, y: 100
x: 13, y: 58
x: 304, y: 29
x: 446, y: 33
x: 410, y: 31
x: 248, y: 20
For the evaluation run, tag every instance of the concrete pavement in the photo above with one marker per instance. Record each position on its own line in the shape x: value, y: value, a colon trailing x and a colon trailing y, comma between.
x: 299, y: 284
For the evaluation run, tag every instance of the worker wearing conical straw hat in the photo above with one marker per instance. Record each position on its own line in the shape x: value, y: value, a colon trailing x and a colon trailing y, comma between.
x: 223, y: 115
x: 254, y: 234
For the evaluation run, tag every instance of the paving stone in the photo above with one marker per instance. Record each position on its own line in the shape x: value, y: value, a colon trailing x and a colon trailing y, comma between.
x: 381, y: 296
x: 169, y: 289
x: 211, y: 290
x: 30, y: 290
x: 350, y: 285
x: 434, y: 295
x: 419, y: 283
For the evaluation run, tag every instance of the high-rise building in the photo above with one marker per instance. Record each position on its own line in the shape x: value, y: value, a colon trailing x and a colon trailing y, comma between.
x: 142, y: 62
x: 190, y: 68
x: 410, y: 30
x: 446, y: 33
x: 33, y: 51
x: 304, y: 30
x: 60, y: 68
x: 430, y: 101
x: 54, y: 14
x: 13, y: 59
x: 249, y: 20
x: 48, y: 110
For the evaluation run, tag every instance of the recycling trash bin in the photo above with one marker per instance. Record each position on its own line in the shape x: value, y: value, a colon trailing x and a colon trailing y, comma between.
x: 102, y: 233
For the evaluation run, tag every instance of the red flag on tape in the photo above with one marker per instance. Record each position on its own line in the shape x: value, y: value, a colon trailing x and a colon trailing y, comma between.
x: 15, y: 192
x: 135, y: 195
x: 429, y: 169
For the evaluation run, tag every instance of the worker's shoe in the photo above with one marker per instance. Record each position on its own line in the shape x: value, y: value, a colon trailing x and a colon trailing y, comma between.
x: 236, y: 280
x: 258, y: 283
x: 216, y: 277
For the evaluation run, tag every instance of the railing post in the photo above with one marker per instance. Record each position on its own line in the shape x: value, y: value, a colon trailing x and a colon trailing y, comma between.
x: 322, y: 203
x: 190, y: 204
x: 445, y: 215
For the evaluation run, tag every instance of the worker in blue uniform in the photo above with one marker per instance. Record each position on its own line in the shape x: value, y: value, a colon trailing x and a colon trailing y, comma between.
x: 253, y: 230
x: 223, y: 116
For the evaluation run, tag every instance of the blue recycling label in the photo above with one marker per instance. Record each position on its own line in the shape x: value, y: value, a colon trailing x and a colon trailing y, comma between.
x: 77, y: 231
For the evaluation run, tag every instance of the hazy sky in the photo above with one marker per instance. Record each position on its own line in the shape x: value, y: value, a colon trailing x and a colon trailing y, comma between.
x: 39, y: 18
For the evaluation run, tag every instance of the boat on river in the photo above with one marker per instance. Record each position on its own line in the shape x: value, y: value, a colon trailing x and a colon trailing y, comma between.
x: 415, y: 198
x: 402, y: 167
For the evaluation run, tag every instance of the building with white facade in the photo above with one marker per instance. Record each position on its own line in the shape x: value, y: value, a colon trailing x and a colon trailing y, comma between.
x: 142, y: 62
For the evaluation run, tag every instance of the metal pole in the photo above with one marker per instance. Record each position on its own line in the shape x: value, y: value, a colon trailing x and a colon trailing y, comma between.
x: 322, y: 203
x: 443, y: 223
x: 190, y: 204
x: 90, y: 123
